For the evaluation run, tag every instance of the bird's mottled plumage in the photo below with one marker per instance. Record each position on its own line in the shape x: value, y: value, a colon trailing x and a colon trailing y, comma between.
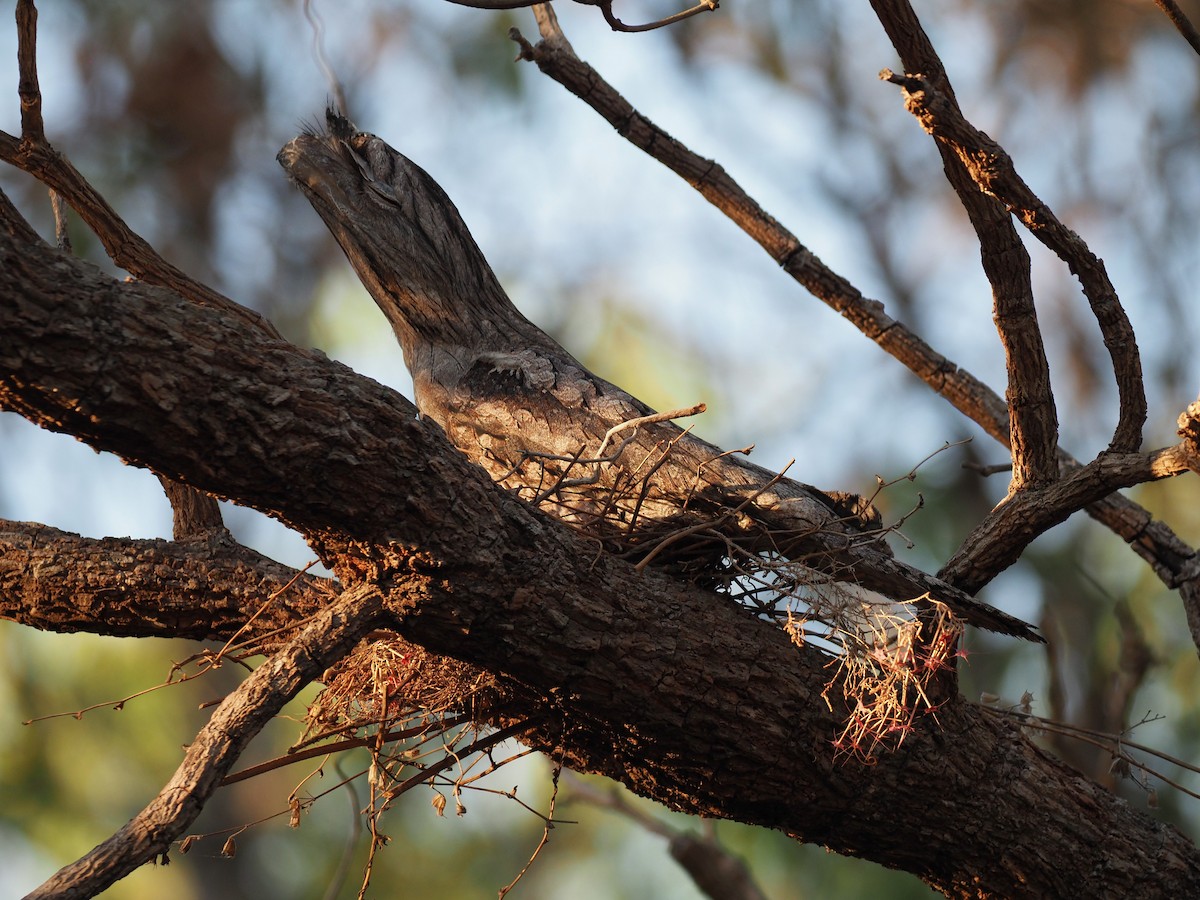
x: 535, y: 418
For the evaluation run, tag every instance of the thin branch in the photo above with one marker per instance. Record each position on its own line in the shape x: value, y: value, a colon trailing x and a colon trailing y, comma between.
x: 387, y: 737
x: 1033, y: 420
x: 992, y: 170
x: 32, y: 127
x: 218, y: 745
x: 617, y: 25
x: 545, y: 839
x: 605, y: 9
x: 1181, y: 22
x: 495, y: 4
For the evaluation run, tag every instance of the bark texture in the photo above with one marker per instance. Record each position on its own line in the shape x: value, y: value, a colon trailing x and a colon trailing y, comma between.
x: 661, y: 684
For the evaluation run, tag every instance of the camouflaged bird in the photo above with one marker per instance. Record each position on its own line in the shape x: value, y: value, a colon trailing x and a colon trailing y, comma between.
x: 518, y: 404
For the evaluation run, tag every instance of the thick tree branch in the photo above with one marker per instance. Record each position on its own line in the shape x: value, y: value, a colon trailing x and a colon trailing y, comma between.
x: 203, y: 590
x: 664, y: 686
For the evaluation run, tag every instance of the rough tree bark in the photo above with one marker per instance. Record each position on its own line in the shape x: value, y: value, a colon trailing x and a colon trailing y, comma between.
x: 662, y: 685
x: 639, y: 672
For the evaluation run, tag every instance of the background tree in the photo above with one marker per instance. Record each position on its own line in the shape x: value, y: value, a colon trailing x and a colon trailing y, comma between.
x: 817, y: 65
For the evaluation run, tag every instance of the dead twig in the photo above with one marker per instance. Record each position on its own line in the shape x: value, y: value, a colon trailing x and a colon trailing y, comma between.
x: 1181, y: 22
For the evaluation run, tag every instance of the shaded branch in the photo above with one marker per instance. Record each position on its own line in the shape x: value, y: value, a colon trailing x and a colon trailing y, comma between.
x: 659, y: 684
x: 240, y: 716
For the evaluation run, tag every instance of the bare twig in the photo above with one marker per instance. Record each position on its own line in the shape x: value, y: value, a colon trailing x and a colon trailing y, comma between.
x: 987, y: 471
x: 545, y: 839
x: 1116, y: 744
x: 1181, y: 22
x: 703, y: 526
x: 617, y: 25
x: 648, y: 420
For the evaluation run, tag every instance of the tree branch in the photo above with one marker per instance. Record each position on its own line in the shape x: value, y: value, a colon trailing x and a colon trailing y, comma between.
x: 1000, y: 539
x: 605, y: 8
x: 992, y: 170
x: 32, y: 127
x: 203, y: 590
x: 1181, y: 22
x: 240, y: 716
x: 661, y: 685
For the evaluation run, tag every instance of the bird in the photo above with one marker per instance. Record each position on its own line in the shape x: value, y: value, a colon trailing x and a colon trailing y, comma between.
x: 517, y: 403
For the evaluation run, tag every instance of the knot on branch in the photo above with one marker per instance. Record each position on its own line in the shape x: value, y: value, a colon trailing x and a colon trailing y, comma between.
x: 1189, y: 427
x: 375, y: 563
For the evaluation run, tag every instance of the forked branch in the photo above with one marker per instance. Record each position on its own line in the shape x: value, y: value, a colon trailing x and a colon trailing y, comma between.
x: 992, y: 170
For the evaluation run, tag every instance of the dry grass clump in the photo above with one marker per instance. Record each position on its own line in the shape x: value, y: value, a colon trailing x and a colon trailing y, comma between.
x: 387, y: 683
